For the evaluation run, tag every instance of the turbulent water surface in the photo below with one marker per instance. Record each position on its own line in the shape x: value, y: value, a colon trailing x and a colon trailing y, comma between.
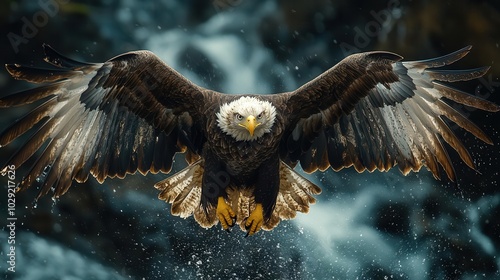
x: 364, y: 226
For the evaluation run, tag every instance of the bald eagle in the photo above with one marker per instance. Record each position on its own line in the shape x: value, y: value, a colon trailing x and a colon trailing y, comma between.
x: 134, y: 113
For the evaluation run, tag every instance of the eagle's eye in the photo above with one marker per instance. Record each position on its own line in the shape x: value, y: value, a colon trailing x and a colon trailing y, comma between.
x: 239, y: 117
x: 259, y: 116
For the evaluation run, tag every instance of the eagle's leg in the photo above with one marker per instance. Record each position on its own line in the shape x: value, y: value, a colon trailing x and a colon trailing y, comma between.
x: 266, y: 192
x: 214, y: 183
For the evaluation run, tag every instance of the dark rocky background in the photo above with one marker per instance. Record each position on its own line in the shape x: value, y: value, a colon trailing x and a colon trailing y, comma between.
x: 364, y: 226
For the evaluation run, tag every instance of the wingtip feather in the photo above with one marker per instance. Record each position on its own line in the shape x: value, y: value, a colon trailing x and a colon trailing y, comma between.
x: 13, y: 70
x: 385, y: 55
x: 457, y: 75
x: 55, y: 58
x: 442, y: 60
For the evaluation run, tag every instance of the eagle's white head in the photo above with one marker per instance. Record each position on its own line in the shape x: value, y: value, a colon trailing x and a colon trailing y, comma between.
x: 246, y: 118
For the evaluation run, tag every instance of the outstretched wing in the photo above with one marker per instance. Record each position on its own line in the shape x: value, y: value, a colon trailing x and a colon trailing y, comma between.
x: 130, y: 113
x: 372, y: 111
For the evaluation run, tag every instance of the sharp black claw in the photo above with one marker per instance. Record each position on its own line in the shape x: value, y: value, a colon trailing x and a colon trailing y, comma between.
x: 247, y: 228
x: 233, y: 222
x: 228, y: 230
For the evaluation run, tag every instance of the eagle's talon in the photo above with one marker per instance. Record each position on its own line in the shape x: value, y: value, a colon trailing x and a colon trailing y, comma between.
x: 254, y: 222
x: 225, y: 214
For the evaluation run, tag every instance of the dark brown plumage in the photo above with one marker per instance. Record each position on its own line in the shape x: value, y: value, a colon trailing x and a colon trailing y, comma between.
x: 133, y: 113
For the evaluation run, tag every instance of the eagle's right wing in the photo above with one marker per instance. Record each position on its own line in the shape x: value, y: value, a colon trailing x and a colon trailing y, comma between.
x: 130, y: 113
x: 373, y: 111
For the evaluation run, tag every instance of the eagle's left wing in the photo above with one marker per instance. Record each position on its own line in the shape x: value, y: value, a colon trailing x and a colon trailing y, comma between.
x: 372, y: 111
x: 130, y: 113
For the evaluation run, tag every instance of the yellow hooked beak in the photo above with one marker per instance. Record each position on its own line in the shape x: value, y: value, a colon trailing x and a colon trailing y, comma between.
x: 250, y: 124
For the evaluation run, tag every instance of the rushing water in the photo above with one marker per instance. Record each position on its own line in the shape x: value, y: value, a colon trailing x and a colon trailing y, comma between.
x: 364, y: 226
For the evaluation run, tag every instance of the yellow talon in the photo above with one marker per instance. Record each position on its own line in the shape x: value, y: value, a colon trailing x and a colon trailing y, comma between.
x: 254, y: 222
x: 225, y: 214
